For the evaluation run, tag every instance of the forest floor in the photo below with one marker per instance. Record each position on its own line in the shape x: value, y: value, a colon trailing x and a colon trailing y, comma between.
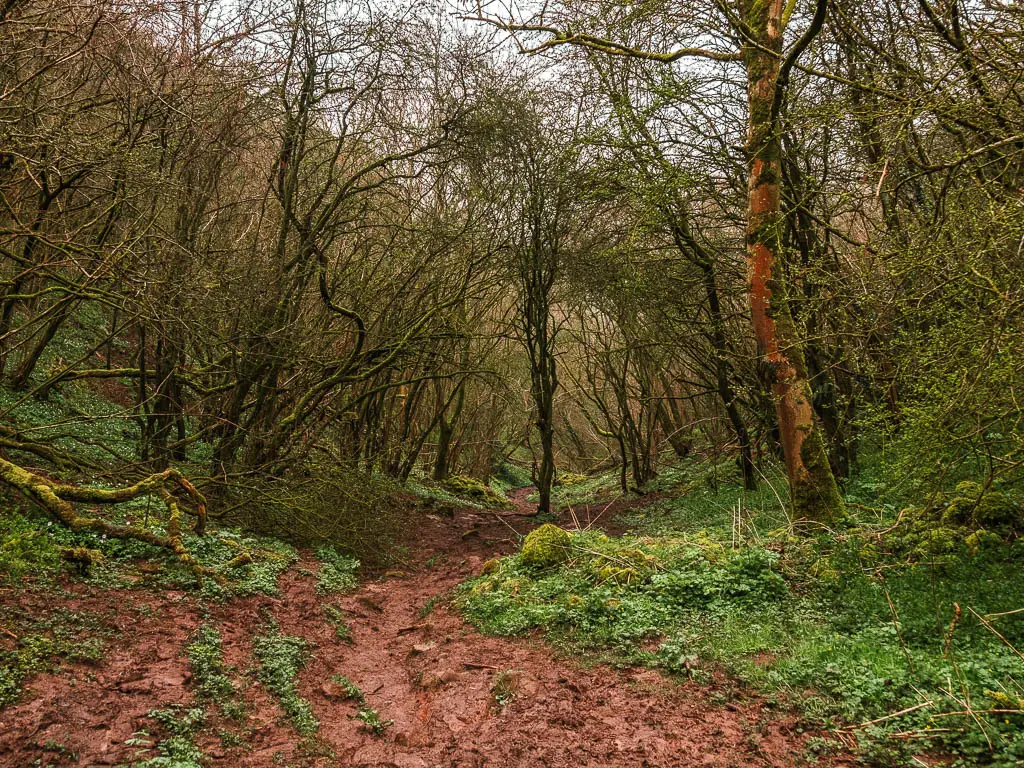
x: 454, y: 697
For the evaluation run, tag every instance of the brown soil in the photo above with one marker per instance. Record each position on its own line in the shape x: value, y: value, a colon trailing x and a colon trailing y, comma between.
x: 428, y: 672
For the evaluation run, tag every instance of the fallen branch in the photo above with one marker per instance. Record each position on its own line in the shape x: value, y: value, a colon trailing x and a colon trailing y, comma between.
x: 56, y: 499
x: 13, y: 440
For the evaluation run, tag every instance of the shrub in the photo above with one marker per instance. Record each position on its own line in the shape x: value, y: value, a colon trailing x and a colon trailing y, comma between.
x: 317, y: 505
x: 972, y: 518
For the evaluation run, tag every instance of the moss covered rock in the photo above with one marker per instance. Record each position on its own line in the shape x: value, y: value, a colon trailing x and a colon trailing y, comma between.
x: 932, y: 542
x: 982, y: 539
x: 971, y: 518
x: 974, y: 507
x: 616, y: 575
x: 969, y: 489
x: 570, y: 478
x: 546, y: 546
x: 625, y: 564
x: 1004, y: 700
x: 997, y: 512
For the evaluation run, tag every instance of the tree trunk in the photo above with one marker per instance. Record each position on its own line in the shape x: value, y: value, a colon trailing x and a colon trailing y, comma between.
x: 724, y: 374
x: 815, y: 495
x: 25, y: 370
x: 681, y: 446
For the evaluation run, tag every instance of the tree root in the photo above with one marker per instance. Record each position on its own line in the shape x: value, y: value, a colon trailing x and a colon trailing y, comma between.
x: 57, y: 500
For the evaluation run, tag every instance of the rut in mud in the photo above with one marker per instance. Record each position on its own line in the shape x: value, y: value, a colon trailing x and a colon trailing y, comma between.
x: 418, y: 664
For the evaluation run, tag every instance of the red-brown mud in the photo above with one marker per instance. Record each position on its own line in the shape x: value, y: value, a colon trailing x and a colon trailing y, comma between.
x: 427, y: 671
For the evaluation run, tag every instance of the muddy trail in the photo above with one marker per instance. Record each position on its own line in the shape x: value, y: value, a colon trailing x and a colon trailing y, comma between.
x: 453, y: 696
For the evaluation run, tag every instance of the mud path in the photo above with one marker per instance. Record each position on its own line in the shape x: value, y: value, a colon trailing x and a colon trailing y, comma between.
x: 418, y: 664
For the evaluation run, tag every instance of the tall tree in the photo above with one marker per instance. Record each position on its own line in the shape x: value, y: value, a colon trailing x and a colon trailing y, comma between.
x: 759, y: 26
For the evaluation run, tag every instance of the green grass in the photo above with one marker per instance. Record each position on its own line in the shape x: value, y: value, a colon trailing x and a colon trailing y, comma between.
x: 698, y: 500
x: 840, y: 627
x: 691, y: 478
x: 280, y: 659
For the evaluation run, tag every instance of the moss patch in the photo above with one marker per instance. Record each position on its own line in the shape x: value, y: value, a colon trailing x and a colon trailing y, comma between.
x: 546, y: 546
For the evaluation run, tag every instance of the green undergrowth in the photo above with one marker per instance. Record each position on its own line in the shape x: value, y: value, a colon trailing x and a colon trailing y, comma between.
x: 81, y: 417
x: 178, y: 727
x: 177, y: 748
x: 476, y: 490
x: 697, y: 500
x: 508, y: 476
x: 33, y: 553
x: 366, y: 714
x: 280, y: 658
x: 337, y: 571
x: 211, y: 676
x: 571, y: 490
x: 41, y: 643
x: 850, y: 627
x: 716, y: 480
x: 74, y: 420
x: 612, y: 593
x: 31, y: 548
x: 457, y: 492
x: 335, y: 616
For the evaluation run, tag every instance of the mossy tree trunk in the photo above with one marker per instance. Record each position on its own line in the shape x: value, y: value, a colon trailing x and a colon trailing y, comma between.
x: 540, y: 343
x: 815, y: 495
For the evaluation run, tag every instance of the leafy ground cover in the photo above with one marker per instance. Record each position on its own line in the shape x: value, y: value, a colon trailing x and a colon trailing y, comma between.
x: 178, y: 676
x: 903, y: 655
x: 32, y: 545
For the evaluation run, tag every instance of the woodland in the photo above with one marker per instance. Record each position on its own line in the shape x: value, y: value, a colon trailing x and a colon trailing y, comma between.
x: 383, y: 378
